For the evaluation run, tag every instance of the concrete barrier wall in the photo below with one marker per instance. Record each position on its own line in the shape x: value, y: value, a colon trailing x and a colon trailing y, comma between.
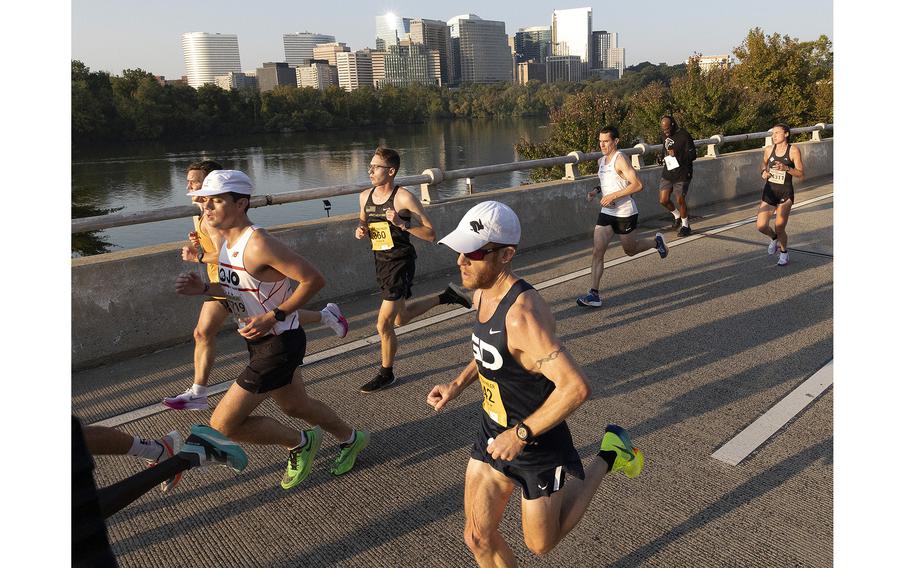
x: 123, y: 303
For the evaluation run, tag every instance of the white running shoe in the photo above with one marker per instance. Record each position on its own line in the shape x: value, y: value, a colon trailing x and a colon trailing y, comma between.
x: 334, y: 320
x: 773, y: 247
x: 171, y: 444
x: 187, y: 401
x: 784, y: 259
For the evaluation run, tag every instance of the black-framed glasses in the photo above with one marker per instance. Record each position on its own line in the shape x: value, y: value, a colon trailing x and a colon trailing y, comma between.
x: 480, y: 254
x: 374, y: 166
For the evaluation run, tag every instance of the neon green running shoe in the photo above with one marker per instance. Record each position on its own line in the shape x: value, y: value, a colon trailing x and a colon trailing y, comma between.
x: 629, y: 459
x: 300, y: 460
x: 345, y: 460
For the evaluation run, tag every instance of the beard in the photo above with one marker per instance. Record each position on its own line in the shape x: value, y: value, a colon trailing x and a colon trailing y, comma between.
x: 479, y: 281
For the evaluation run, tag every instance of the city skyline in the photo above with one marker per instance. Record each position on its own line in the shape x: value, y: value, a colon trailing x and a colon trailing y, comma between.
x: 148, y: 34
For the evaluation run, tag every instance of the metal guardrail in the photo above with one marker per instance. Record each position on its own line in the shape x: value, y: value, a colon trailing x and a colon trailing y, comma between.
x: 426, y: 179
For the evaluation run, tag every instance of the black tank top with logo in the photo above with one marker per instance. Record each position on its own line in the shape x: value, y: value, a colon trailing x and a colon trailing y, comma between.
x: 785, y: 180
x: 388, y: 241
x: 511, y: 393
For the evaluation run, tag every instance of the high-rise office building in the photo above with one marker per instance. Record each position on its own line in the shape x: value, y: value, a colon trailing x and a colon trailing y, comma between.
x: 355, y: 70
x: 616, y: 59
x: 601, y: 44
x: 572, y: 33
x: 328, y: 51
x: 377, y: 60
x: 436, y: 36
x: 530, y: 71
x: 391, y: 29
x: 206, y: 55
x: 408, y: 63
x: 566, y: 68
x: 298, y: 48
x: 483, y: 50
x: 318, y: 75
x: 271, y: 74
x: 533, y: 43
x: 237, y: 81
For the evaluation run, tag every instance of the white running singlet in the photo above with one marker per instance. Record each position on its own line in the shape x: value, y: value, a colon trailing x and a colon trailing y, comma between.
x: 246, y: 296
x: 610, y: 182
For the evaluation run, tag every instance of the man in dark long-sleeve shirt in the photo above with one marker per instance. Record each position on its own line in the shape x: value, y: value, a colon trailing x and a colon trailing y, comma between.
x: 678, y: 151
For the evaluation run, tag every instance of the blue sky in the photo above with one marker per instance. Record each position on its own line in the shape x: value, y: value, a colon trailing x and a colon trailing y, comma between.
x: 113, y: 35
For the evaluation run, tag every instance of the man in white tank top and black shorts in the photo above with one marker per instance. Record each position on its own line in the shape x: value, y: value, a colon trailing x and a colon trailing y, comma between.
x: 255, y: 272
x: 618, y: 213
x: 530, y: 386
x: 389, y: 215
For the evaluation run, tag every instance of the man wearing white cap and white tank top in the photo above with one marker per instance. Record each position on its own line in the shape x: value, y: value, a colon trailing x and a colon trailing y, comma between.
x: 255, y: 272
x: 530, y: 386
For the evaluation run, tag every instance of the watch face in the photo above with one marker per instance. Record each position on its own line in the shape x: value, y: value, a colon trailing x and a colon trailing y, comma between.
x: 522, y: 432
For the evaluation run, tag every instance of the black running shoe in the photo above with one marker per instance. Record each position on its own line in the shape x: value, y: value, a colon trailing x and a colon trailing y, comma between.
x: 379, y: 382
x: 455, y: 295
x: 677, y: 222
x: 684, y: 232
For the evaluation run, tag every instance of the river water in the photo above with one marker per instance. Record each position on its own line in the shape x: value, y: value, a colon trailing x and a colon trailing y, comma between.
x: 150, y: 176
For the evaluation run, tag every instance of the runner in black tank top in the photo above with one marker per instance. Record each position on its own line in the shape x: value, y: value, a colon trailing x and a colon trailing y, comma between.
x: 778, y: 171
x: 389, y: 215
x: 530, y: 386
x: 511, y: 394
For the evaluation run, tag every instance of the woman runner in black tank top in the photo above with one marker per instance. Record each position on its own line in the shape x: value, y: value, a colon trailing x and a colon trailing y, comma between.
x: 511, y: 394
x: 777, y: 197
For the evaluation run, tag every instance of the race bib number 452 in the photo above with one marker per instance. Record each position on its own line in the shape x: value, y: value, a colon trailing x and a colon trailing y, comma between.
x: 492, y: 401
x: 381, y: 235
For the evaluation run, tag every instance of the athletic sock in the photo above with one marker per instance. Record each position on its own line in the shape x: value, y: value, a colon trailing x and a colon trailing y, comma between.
x: 352, y: 438
x: 773, y: 235
x: 303, y: 440
x: 675, y: 214
x: 386, y: 372
x: 146, y: 449
x: 608, y: 456
x: 595, y: 292
x: 685, y: 221
x: 199, y: 390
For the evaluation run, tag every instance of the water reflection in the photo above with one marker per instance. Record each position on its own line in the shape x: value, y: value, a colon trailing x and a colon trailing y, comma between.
x: 149, y: 176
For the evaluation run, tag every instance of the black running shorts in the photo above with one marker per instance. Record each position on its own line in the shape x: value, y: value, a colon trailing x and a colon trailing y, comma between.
x: 395, y: 278
x: 774, y: 196
x: 620, y: 225
x: 540, y: 479
x: 273, y: 360
x: 681, y: 187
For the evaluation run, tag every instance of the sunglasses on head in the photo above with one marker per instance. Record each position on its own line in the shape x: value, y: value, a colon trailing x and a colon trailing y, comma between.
x: 479, y: 254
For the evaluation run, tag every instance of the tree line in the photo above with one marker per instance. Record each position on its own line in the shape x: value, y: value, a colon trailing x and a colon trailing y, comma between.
x: 776, y: 79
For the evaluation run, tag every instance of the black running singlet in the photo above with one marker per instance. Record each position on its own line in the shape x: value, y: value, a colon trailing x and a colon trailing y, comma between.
x: 389, y: 242
x: 510, y: 393
x: 780, y: 181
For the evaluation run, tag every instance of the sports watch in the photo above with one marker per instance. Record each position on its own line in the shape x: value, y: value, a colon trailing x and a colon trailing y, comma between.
x: 279, y: 315
x: 523, y: 432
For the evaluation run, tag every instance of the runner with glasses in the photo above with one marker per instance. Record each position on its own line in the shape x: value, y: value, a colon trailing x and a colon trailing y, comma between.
x: 389, y: 217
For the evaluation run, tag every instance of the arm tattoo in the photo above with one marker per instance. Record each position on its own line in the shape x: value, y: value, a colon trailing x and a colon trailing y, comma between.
x: 549, y: 357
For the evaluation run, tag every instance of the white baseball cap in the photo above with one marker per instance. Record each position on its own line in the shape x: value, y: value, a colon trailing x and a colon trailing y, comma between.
x: 224, y: 181
x: 487, y: 222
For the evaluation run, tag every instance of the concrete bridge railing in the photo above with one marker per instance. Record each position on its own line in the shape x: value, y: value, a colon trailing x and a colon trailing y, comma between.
x: 123, y: 303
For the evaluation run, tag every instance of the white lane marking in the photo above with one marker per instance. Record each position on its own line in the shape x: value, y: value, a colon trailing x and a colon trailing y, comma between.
x: 757, y: 433
x: 426, y: 322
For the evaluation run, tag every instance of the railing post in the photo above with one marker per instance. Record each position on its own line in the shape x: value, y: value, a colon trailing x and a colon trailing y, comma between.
x: 436, y: 176
x: 469, y: 186
x: 817, y: 134
x: 717, y: 140
x: 572, y: 167
x: 768, y: 138
x: 638, y: 160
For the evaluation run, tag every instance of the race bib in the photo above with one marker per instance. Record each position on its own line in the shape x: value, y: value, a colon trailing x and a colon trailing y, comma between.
x: 671, y: 162
x: 777, y: 176
x: 236, y: 305
x: 381, y: 235
x: 492, y: 401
